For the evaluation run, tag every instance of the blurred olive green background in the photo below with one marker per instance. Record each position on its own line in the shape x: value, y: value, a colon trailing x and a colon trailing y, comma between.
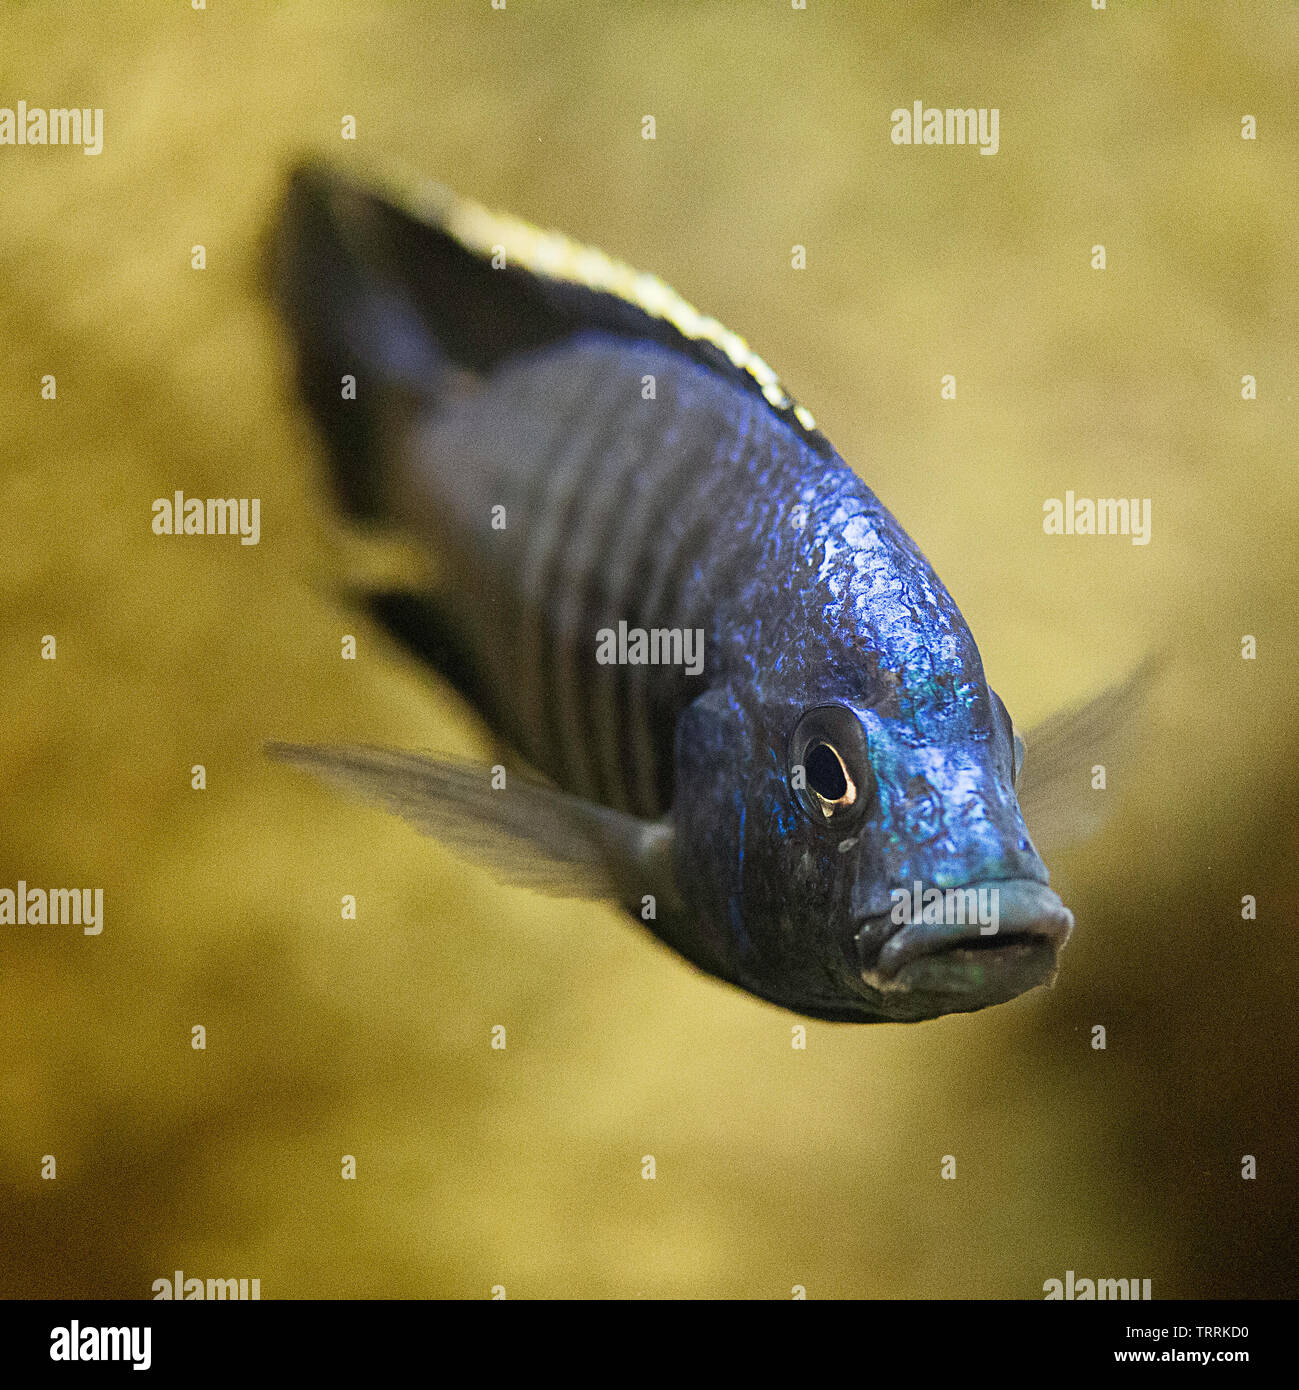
x: 326, y: 1037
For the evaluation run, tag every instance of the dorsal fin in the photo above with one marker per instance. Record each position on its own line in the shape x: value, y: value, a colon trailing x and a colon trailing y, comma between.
x: 440, y: 249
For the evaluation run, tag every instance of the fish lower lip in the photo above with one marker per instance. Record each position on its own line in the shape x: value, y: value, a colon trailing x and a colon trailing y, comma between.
x: 1032, y: 924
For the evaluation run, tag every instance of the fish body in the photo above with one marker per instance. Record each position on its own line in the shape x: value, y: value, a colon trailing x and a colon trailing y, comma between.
x: 820, y: 807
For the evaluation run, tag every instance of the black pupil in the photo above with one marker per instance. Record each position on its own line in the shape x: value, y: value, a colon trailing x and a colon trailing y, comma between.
x: 825, y: 772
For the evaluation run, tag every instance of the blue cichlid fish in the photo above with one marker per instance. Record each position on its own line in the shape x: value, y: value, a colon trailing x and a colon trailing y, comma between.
x: 747, y: 708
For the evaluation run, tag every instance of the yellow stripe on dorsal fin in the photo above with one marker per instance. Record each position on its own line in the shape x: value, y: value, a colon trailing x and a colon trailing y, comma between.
x: 555, y: 256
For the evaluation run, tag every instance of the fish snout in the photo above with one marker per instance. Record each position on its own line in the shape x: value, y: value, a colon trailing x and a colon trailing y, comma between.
x: 966, y: 947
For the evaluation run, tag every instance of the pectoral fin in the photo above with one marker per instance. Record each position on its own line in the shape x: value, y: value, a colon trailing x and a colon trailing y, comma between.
x: 526, y: 832
x: 1055, y: 790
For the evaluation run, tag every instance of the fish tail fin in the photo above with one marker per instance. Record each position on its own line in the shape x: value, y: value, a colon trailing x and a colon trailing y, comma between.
x: 333, y: 273
x: 373, y: 293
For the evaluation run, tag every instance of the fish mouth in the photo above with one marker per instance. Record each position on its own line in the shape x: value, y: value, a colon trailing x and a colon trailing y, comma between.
x: 963, y: 965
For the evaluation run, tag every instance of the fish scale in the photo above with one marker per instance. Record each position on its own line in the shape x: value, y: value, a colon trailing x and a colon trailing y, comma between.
x: 559, y: 524
x: 599, y: 576
x: 694, y: 579
x: 683, y: 526
x: 557, y: 519
x: 544, y: 511
x: 625, y: 461
x: 548, y: 580
x: 614, y: 586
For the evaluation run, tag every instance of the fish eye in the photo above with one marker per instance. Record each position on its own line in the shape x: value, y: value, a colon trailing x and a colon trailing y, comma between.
x: 830, y: 772
x: 827, y: 776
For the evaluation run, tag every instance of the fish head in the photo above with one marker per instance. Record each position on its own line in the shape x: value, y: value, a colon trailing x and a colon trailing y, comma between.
x: 847, y: 812
x: 892, y: 876
x: 948, y: 903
